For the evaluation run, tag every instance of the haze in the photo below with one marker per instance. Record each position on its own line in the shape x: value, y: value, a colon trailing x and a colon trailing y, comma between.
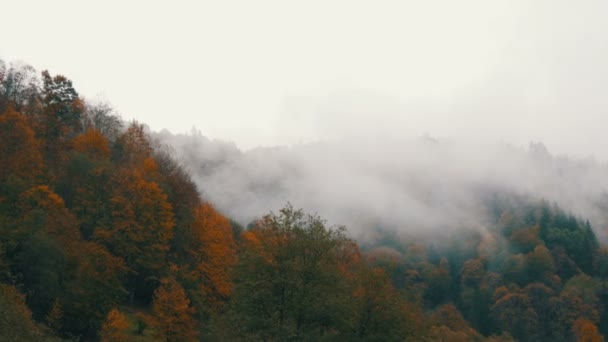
x: 347, y: 89
x: 416, y: 186
x: 273, y: 72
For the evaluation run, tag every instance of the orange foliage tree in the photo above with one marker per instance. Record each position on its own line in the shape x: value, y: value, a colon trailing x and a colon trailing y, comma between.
x: 586, y: 331
x: 173, y: 318
x: 114, y: 328
x: 133, y: 146
x: 214, y: 250
x: 139, y: 229
x: 93, y: 143
x: 19, y: 150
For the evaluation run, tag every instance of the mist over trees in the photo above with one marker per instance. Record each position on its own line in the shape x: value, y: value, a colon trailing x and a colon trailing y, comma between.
x: 410, y: 186
x: 108, y: 234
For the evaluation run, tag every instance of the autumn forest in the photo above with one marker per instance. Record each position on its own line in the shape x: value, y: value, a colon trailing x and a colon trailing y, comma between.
x: 104, y: 236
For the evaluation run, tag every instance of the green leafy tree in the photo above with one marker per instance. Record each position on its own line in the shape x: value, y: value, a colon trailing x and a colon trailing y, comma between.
x: 288, y: 282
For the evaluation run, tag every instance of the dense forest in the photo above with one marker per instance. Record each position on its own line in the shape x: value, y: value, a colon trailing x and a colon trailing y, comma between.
x: 105, y: 236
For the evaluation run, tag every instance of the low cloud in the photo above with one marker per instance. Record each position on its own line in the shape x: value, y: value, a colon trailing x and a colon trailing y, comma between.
x: 405, y: 185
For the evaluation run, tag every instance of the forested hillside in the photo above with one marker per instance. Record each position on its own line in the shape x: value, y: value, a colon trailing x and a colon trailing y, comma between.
x: 105, y: 236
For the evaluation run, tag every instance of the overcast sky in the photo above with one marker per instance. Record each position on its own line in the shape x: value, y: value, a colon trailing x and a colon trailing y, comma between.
x: 282, y: 72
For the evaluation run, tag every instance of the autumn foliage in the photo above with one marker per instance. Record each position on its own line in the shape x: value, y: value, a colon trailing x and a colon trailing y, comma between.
x: 19, y: 149
x: 93, y: 143
x: 114, y: 327
x: 88, y: 211
x: 104, y: 236
x: 173, y: 318
x: 215, y: 252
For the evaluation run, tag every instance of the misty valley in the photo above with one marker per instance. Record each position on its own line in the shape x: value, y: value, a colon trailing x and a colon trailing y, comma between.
x: 110, y: 231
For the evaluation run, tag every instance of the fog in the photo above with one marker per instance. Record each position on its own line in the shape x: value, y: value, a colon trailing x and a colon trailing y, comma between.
x: 391, y: 114
x: 424, y: 121
x: 272, y: 72
x: 419, y: 185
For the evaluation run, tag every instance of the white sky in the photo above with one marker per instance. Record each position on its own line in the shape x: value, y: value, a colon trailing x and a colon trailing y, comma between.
x: 276, y: 72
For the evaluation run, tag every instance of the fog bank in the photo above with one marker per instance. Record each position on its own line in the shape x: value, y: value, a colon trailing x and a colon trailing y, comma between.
x: 404, y: 185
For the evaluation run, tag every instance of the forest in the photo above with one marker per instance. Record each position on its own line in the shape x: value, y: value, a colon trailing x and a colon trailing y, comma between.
x: 105, y: 236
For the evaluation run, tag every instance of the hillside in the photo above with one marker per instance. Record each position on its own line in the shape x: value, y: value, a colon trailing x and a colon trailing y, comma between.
x: 104, y: 235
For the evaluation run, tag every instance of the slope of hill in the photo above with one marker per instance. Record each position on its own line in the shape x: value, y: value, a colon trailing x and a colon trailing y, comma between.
x: 104, y: 236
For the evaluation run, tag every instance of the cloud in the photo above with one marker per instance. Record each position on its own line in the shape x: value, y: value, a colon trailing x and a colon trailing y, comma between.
x: 422, y: 185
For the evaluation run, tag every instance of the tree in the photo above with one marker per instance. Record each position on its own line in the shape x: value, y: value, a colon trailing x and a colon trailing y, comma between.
x: 576, y: 237
x: 19, y: 150
x: 84, y: 187
x: 46, y: 238
x: 525, y: 239
x: 21, y: 160
x: 514, y: 270
x: 114, y: 328
x: 586, y: 331
x: 59, y: 95
x: 513, y: 313
x: 475, y: 303
x: 600, y: 264
x: 139, y: 229
x: 540, y: 296
x: 443, y: 333
x: 288, y: 282
x: 102, y: 118
x: 55, y: 316
x: 57, y: 266
x: 566, y: 267
x: 566, y: 309
x: 60, y: 118
x: 540, y: 263
x: 92, y: 288
x: 584, y: 287
x: 439, y: 284
x: 449, y: 316
x: 216, y: 252
x: 472, y: 272
x: 173, y: 316
x: 16, y: 323
x: 133, y: 146
x: 210, y: 254
x: 449, y: 325
x: 184, y: 196
x: 18, y: 86
x: 379, y: 313
x: 93, y: 143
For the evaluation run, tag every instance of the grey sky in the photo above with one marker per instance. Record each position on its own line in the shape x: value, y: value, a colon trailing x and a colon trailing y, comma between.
x: 281, y: 72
